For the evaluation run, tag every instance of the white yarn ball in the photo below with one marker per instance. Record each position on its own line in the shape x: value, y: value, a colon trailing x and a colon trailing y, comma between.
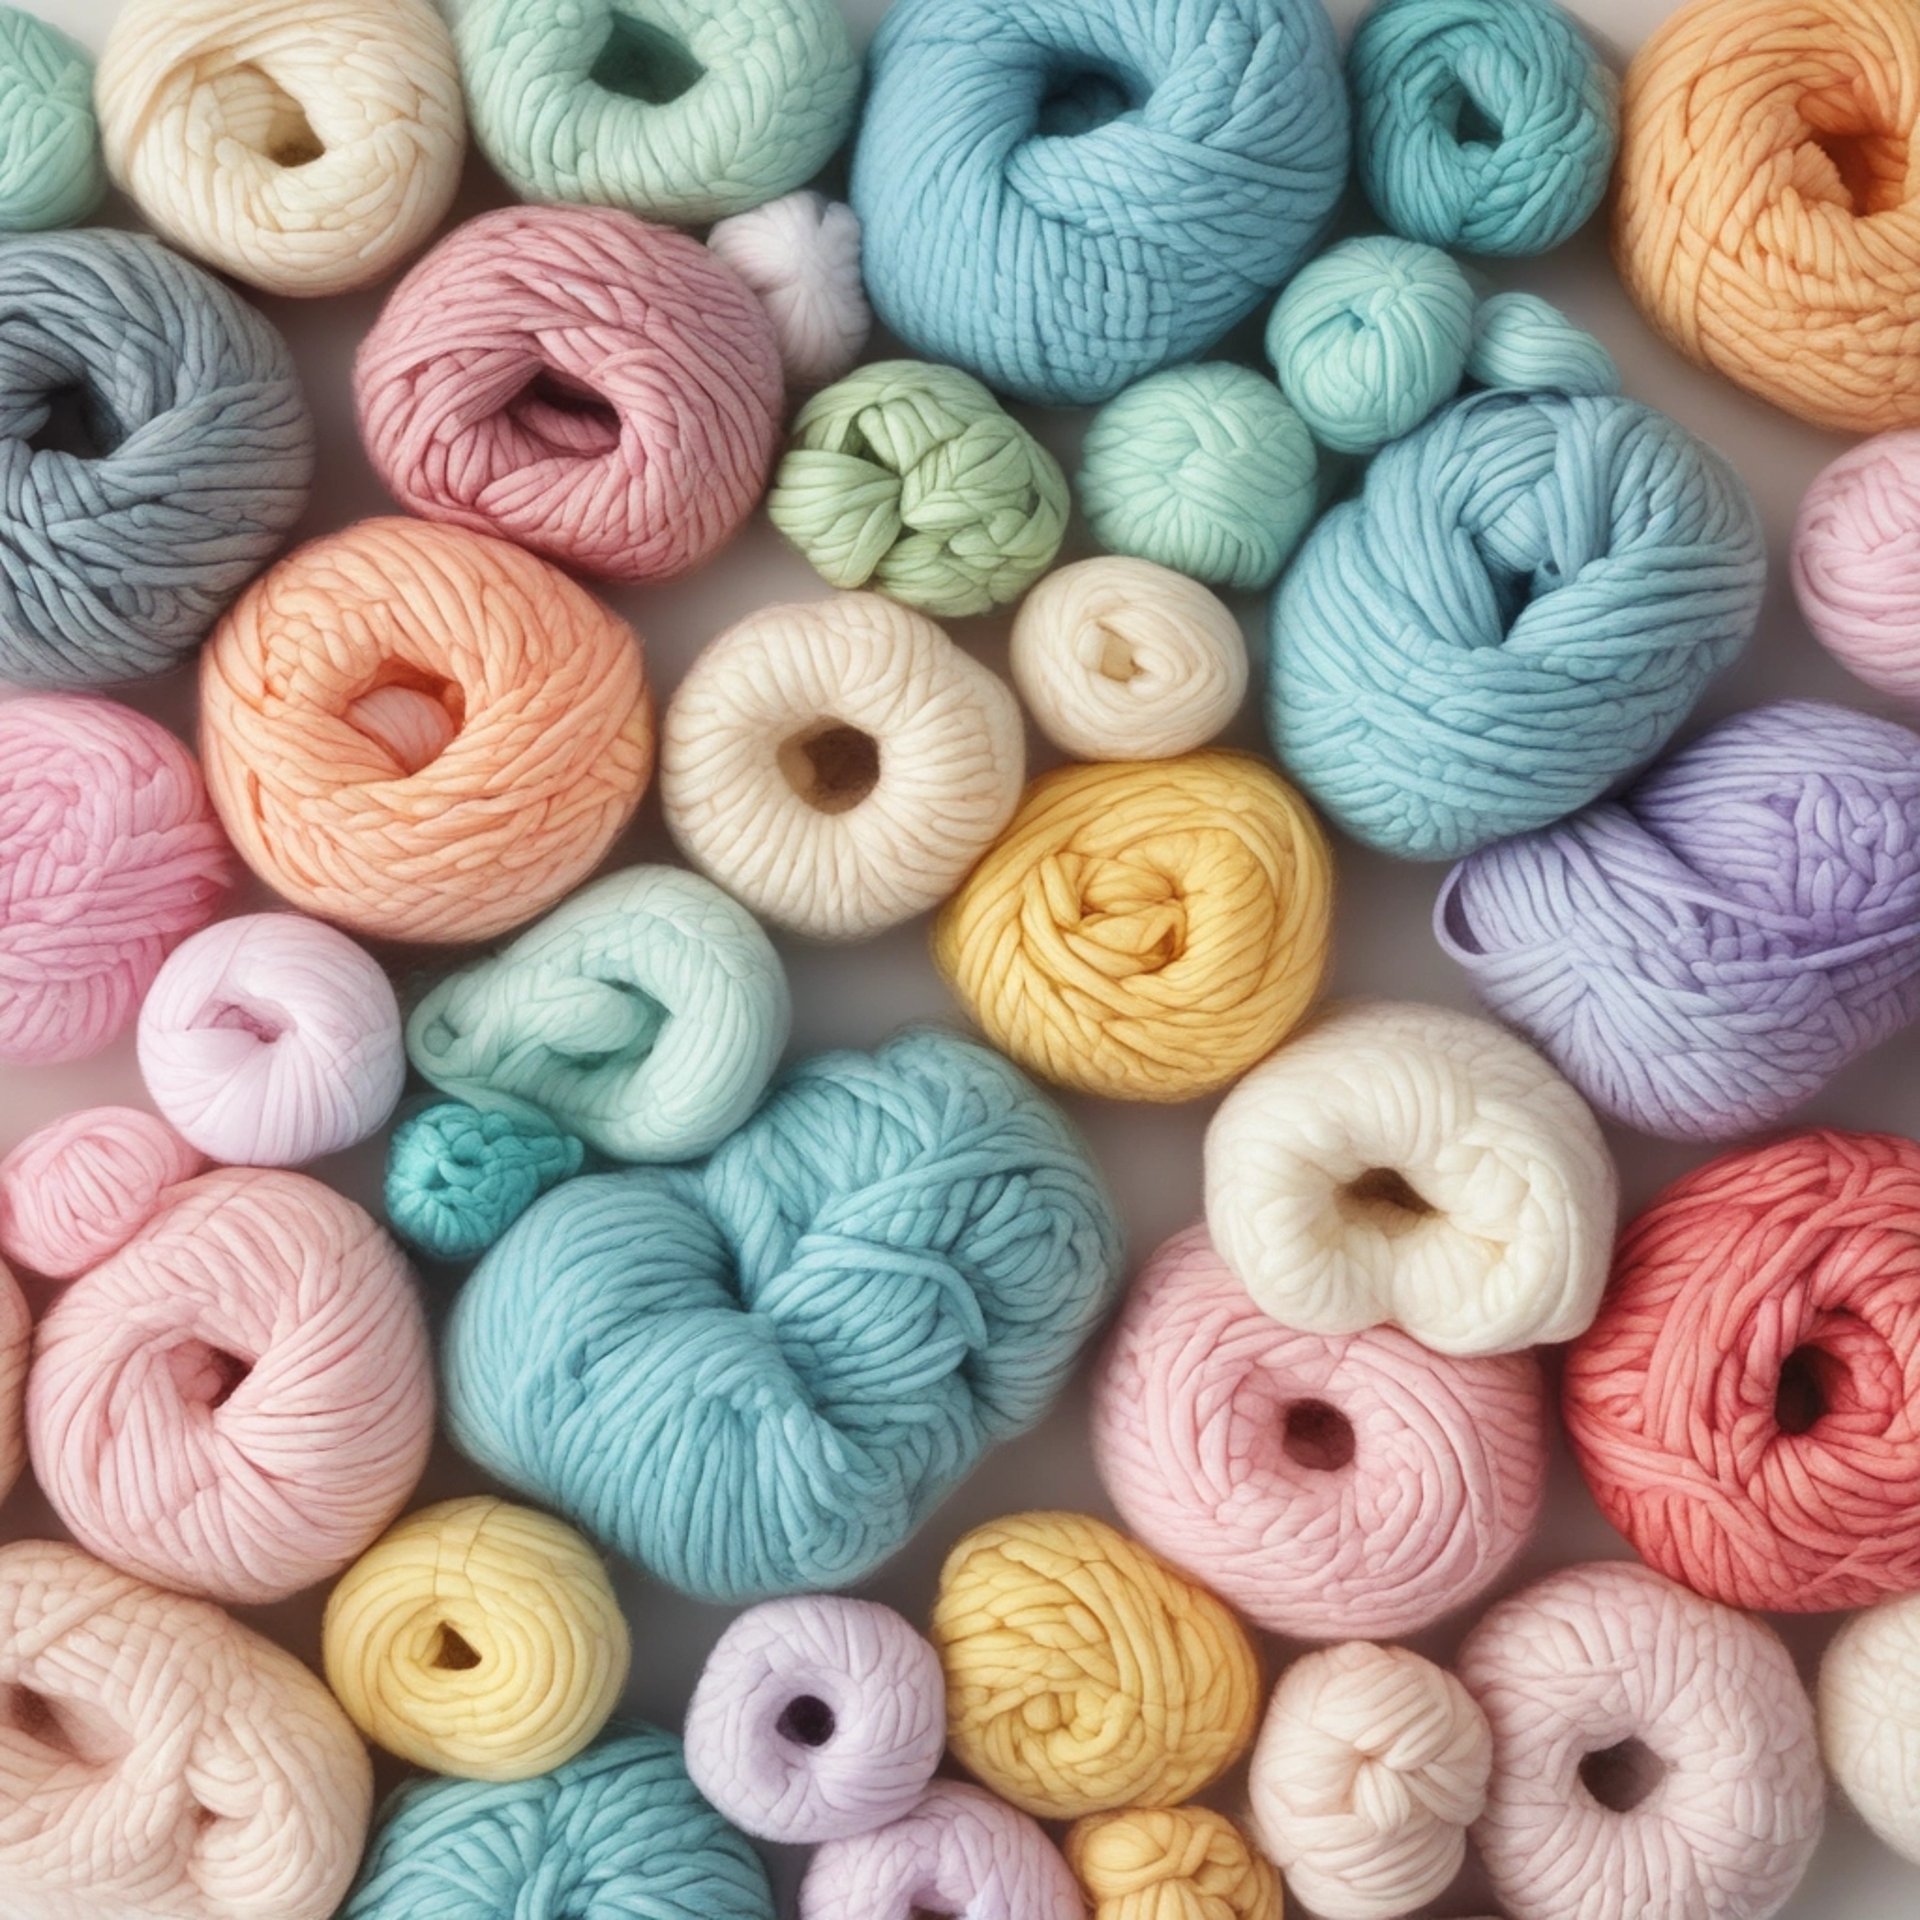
x: 801, y: 255
x: 1870, y: 1719
x: 1120, y: 659
x: 1418, y: 1167
x: 1370, y: 1766
x: 839, y: 765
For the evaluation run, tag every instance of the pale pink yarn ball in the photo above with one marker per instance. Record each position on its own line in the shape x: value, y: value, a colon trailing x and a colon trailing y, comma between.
x: 1856, y: 562
x: 109, y: 854
x: 16, y: 1338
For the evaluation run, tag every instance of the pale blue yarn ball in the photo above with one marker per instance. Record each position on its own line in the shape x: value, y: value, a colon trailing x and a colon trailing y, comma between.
x: 458, y: 1178
x: 1525, y: 601
x: 1523, y: 342
x: 758, y: 1375
x: 51, y: 172
x: 1064, y: 195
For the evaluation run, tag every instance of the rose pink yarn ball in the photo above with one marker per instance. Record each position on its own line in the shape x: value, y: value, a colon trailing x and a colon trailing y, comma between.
x: 605, y: 392
x: 1653, y: 1753
x: 16, y: 1338
x: 109, y: 853
x: 1326, y: 1485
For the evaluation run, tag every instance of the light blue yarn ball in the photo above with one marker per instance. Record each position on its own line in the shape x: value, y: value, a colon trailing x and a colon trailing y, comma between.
x: 51, y: 172
x: 1064, y: 195
x: 1523, y: 342
x: 758, y: 1375
x: 458, y: 1178
x: 618, y: 1834
x: 1525, y: 601
x: 1370, y: 338
x: 1488, y: 126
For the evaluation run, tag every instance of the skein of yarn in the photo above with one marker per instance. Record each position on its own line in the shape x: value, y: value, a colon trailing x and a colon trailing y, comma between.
x: 16, y: 1343
x: 51, y: 173
x: 1171, y: 1863
x: 1144, y: 930
x: 801, y: 256
x: 421, y: 733
x: 601, y: 391
x: 305, y: 152
x: 1869, y: 1706
x: 164, y: 1761
x: 477, y: 1639
x: 458, y: 1178
x: 1521, y: 341
x: 1521, y: 607
x: 1703, y: 954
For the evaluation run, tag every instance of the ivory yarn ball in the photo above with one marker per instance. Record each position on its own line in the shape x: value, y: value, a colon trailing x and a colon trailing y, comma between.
x: 1869, y: 1705
x: 1171, y: 1863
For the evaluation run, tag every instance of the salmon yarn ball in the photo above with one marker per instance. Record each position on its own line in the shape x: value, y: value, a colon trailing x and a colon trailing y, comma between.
x: 16, y: 1341
x: 1171, y: 1863
x: 422, y: 733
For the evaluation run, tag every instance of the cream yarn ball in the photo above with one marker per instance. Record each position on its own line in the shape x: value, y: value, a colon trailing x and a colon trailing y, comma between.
x: 1869, y: 1706
x: 801, y: 255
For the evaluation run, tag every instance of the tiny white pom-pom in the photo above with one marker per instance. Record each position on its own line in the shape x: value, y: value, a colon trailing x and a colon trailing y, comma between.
x: 801, y: 255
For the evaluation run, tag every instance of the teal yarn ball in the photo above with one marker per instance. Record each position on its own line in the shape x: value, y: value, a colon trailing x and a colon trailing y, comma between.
x: 678, y: 110
x: 1063, y: 196
x: 1523, y: 342
x: 1523, y: 604
x: 1370, y: 338
x: 758, y: 1375
x: 458, y: 1178
x: 1487, y: 126
x: 51, y: 172
x: 1204, y: 469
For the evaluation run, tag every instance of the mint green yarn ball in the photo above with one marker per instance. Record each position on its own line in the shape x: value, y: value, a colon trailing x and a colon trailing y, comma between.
x: 51, y: 173
x: 1204, y: 469
x: 1522, y: 342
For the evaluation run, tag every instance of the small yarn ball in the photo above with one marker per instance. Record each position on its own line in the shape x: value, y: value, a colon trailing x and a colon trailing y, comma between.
x: 458, y: 1178
x: 421, y: 733
x: 109, y: 855
x: 304, y: 151
x: 1084, y: 1675
x: 1485, y: 125
x: 163, y: 1761
x: 477, y: 1639
x: 678, y: 110
x: 1521, y: 608
x: 816, y: 1718
x: 759, y: 1374
x: 1171, y: 1863
x: 1523, y: 342
x: 1123, y: 660
x: 1063, y: 196
x: 839, y: 765
x: 801, y: 256
x: 1146, y: 929
x: 1869, y: 1706
x: 270, y: 1040
x: 1650, y: 1748
x: 1370, y: 338
x: 595, y: 389
x: 1414, y: 1167
x: 1325, y: 1485
x: 16, y: 1344
x: 51, y: 173
x: 1702, y: 955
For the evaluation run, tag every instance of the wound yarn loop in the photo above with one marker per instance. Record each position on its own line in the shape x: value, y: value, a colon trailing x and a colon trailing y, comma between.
x: 51, y: 174
x: 1869, y: 1704
x: 458, y: 1178
x: 801, y: 256
x: 1171, y: 1863
x: 1523, y: 342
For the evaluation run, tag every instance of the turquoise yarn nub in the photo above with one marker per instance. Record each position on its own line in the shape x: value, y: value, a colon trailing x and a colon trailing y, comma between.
x: 458, y: 1178
x: 758, y: 1375
x: 51, y: 170
x: 1523, y: 342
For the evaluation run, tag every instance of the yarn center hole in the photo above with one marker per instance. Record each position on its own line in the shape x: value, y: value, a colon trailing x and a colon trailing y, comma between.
x: 1804, y: 1395
x: 643, y: 62
x: 1318, y: 1437
x: 1383, y: 1197
x: 565, y: 415
x: 1079, y: 99
x: 452, y: 1651
x: 262, y: 1023
x: 276, y: 123
x: 1871, y: 162
x: 806, y: 1721
x: 205, y: 1375
x: 832, y: 767
x: 72, y: 425
x: 1116, y: 659
x: 1624, y: 1775
x: 74, y: 1731
x: 1473, y: 125
x: 412, y: 717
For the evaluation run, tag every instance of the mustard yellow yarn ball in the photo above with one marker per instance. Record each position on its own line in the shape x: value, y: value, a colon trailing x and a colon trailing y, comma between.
x: 1171, y: 1863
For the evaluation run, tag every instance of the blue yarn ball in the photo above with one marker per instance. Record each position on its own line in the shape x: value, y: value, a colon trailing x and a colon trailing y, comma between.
x: 1064, y: 195
x: 458, y: 1178
x: 1525, y: 601
x: 757, y: 1375
x: 1521, y: 341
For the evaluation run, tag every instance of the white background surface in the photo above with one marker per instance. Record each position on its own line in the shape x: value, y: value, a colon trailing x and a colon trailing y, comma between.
x: 855, y: 997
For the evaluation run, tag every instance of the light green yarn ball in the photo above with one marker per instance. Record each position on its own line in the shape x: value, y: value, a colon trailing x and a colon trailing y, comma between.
x: 1521, y: 341
x: 1204, y: 469
x: 51, y: 173
x: 912, y: 480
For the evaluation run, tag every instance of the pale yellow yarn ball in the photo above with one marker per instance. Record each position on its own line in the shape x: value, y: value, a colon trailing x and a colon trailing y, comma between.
x: 1171, y: 1863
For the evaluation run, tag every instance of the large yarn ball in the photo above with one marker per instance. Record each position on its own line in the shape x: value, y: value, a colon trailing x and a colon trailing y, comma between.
x: 1869, y: 1707
x: 51, y: 173
x: 16, y: 1345
x: 1171, y: 1863
x: 801, y: 256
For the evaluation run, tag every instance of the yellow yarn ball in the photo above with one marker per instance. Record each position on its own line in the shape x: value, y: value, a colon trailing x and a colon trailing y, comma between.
x: 1171, y: 1863
x: 1083, y: 1674
x: 477, y: 1638
x: 1146, y: 929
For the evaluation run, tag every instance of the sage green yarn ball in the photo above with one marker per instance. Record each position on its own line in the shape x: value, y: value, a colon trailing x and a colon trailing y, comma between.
x: 1204, y: 469
x: 912, y: 480
x: 51, y: 173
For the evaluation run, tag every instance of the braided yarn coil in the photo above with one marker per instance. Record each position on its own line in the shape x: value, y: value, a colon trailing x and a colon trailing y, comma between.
x: 51, y: 173
x: 801, y: 256
x: 1869, y: 1707
x: 1171, y: 1863
x: 16, y: 1345
x: 457, y: 1178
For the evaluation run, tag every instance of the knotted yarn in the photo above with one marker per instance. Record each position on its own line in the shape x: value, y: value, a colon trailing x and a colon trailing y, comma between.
x: 1521, y: 341
x: 51, y: 173
x: 1869, y: 1708
x: 1170, y: 1863
x: 1703, y: 954
x: 458, y: 1178
x: 801, y: 256
x: 1145, y: 173
x: 1521, y: 608
x: 16, y: 1345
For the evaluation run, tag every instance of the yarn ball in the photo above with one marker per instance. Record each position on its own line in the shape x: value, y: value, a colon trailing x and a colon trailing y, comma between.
x: 51, y: 174
x: 598, y: 390
x: 1869, y: 1704
x: 908, y: 478
x: 801, y: 256
x: 839, y: 765
x: 1146, y: 929
x: 1414, y: 1167
x: 109, y: 854
x: 1170, y: 1863
x: 1205, y: 470
x: 458, y: 1178
x: 1325, y: 1485
x: 1650, y: 1749
x: 619, y: 1830
x: 1124, y: 660
x: 477, y: 1639
x: 179, y: 453
x: 160, y: 1759
x: 678, y: 109
x: 1521, y: 608
x: 304, y: 151
x: 1704, y: 954
x: 1856, y: 562
x: 1521, y: 341
x: 1767, y: 218
x: 16, y: 1343
x: 1486, y: 125
x: 1143, y: 172
x: 422, y: 733
x: 815, y: 1719
x: 759, y: 1374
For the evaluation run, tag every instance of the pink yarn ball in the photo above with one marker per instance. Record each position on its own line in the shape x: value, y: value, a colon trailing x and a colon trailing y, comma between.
x: 605, y: 392
x: 109, y: 853
x: 16, y: 1338
x: 1329, y: 1486
x: 1856, y: 562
